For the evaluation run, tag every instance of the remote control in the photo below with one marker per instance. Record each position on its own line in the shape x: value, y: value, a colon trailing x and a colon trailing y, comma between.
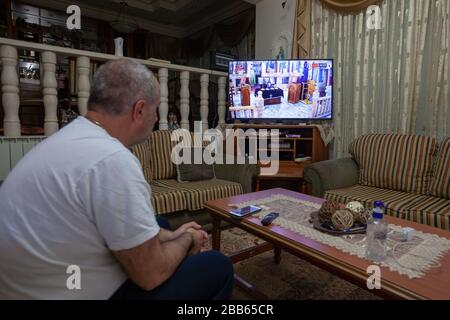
x: 269, y: 218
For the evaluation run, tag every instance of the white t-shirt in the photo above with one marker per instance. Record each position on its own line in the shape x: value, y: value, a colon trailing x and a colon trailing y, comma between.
x: 71, y: 200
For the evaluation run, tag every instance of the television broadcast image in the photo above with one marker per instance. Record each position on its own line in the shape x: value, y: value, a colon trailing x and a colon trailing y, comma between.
x: 281, y: 89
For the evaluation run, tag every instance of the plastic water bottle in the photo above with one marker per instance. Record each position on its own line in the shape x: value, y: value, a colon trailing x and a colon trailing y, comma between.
x: 377, y: 231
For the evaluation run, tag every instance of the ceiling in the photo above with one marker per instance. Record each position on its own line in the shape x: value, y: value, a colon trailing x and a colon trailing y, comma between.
x: 178, y: 18
x: 180, y: 13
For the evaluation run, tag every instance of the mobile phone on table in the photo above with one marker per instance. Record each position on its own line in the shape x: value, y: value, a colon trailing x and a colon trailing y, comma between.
x: 245, y: 211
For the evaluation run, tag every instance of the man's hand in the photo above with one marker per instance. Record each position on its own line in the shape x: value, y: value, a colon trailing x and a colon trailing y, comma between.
x: 199, y: 238
x: 190, y: 225
x: 166, y: 235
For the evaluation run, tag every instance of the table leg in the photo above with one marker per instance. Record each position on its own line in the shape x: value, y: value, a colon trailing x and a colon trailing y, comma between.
x: 257, y: 183
x: 277, y: 255
x: 302, y: 187
x: 215, y: 233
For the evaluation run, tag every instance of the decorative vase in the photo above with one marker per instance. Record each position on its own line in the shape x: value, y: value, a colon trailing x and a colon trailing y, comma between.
x: 118, y: 43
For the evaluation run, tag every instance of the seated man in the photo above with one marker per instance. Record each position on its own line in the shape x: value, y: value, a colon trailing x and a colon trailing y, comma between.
x: 76, y: 218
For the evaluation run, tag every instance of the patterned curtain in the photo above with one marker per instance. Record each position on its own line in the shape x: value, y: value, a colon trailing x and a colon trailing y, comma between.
x: 391, y: 79
x: 302, y: 29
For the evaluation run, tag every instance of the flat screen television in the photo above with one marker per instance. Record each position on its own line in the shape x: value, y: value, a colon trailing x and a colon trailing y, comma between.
x: 286, y: 90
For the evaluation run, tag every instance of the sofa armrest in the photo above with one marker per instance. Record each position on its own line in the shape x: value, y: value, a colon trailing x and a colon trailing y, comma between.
x: 240, y: 173
x: 331, y: 174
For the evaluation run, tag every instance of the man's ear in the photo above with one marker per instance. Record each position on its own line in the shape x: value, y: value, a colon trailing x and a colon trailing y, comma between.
x: 138, y: 110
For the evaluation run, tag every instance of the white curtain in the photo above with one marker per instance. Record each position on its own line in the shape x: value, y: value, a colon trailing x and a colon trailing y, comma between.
x: 393, y: 79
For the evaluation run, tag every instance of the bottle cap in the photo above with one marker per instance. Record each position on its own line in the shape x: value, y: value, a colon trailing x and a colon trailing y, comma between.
x: 378, y: 209
x: 378, y: 203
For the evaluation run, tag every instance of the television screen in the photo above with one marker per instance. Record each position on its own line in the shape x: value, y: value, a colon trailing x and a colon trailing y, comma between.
x: 281, y: 89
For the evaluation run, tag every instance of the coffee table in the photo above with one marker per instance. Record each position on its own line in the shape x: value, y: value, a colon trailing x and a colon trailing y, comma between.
x: 434, y: 285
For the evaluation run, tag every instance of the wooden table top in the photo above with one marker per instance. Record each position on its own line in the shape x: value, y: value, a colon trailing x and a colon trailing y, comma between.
x: 434, y: 285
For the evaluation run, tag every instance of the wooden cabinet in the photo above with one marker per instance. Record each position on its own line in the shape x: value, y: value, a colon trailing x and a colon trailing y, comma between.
x: 295, y: 141
x: 297, y: 146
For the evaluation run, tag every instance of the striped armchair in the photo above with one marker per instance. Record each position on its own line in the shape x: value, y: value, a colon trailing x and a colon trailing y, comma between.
x: 170, y: 196
x: 411, y: 174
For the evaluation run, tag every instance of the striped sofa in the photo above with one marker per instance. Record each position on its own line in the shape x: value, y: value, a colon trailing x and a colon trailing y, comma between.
x: 410, y: 173
x: 170, y: 196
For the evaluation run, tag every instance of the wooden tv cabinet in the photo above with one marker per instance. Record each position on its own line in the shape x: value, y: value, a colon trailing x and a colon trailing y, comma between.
x: 295, y: 141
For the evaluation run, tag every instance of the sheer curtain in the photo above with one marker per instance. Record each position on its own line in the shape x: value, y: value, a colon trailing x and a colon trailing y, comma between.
x: 393, y: 79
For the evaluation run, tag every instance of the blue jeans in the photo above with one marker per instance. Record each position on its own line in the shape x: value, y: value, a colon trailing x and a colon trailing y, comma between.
x: 204, y: 276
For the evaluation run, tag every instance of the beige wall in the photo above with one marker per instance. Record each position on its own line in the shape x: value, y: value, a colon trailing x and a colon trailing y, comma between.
x: 273, y: 24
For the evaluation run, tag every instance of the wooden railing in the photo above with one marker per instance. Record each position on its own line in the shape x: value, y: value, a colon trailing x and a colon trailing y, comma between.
x: 10, y: 85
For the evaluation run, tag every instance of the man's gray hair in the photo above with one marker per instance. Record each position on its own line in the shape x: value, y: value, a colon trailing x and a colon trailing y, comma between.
x: 118, y: 84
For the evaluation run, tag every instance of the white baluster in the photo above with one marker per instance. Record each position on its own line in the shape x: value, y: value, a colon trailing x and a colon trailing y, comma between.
x: 184, y: 100
x: 221, y: 101
x: 83, y: 68
x: 163, y: 75
x: 50, y: 93
x: 10, y: 91
x: 204, y: 82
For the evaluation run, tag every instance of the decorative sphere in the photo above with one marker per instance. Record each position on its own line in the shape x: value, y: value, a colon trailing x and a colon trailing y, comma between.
x: 364, y: 216
x: 342, y: 219
x: 355, y: 207
x: 326, y: 211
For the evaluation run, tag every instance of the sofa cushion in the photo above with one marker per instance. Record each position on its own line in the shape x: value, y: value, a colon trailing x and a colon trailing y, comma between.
x: 395, y: 201
x: 394, y: 161
x: 195, y: 172
x: 440, y: 183
x: 167, y: 200
x: 430, y: 210
x: 155, y: 153
x: 160, y: 151
x: 192, y: 171
x: 199, y: 192
x: 142, y: 152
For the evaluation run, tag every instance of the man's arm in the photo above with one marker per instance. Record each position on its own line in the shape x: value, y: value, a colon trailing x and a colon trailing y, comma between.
x: 165, y: 235
x: 153, y: 262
